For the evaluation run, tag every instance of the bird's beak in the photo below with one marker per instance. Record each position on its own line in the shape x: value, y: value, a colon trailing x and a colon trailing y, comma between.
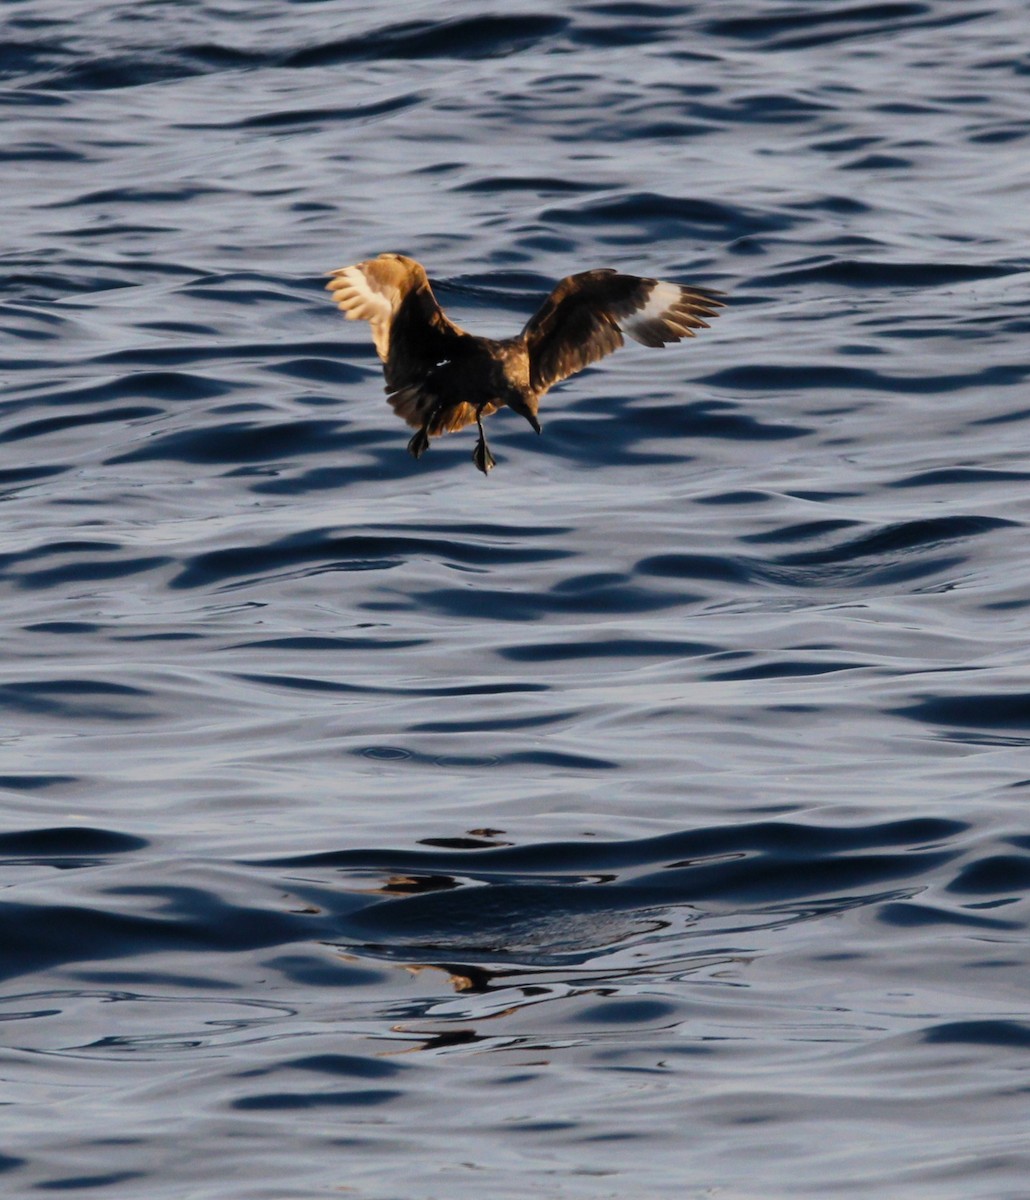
x: 531, y: 417
x: 523, y: 409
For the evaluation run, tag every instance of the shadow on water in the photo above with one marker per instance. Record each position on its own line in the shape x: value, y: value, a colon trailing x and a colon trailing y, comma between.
x: 476, y: 902
x: 565, y: 904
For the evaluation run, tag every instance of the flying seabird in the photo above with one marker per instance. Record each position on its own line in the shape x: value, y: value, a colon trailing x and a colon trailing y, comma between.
x: 440, y: 378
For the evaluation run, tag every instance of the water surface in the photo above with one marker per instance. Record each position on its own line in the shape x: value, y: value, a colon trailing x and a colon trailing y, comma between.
x: 646, y: 820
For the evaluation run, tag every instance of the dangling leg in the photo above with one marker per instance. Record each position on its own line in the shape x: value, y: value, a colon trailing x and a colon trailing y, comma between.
x: 481, y: 456
x: 419, y: 444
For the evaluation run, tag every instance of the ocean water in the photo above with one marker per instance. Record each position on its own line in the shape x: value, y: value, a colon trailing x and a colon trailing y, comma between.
x: 648, y: 820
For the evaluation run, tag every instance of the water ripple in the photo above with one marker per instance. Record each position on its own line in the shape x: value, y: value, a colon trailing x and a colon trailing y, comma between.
x: 679, y: 766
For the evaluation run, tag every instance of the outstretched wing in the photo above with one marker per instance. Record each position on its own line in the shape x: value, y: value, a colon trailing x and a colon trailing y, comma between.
x: 586, y: 315
x: 409, y: 328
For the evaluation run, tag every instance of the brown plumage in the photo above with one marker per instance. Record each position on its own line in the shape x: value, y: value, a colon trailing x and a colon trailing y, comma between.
x: 440, y: 378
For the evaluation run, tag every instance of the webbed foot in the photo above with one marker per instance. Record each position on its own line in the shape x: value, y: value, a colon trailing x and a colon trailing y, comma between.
x: 419, y: 444
x: 482, y: 457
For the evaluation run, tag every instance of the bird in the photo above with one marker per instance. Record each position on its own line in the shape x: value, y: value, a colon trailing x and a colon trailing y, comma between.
x: 439, y: 378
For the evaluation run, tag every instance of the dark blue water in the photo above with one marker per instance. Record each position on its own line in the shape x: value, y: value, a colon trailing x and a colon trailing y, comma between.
x: 647, y: 820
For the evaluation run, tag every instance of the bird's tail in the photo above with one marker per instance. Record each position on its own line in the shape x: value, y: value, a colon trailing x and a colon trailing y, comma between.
x: 418, y: 407
x: 411, y: 404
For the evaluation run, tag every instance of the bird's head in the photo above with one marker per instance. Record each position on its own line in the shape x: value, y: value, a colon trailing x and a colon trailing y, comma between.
x: 526, y: 406
x: 397, y: 258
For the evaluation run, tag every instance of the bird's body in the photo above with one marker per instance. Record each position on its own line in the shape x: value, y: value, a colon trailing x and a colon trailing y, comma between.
x: 440, y: 378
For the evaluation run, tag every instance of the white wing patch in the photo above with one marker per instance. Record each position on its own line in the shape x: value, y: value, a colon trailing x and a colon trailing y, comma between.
x: 641, y: 324
x: 363, y: 297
